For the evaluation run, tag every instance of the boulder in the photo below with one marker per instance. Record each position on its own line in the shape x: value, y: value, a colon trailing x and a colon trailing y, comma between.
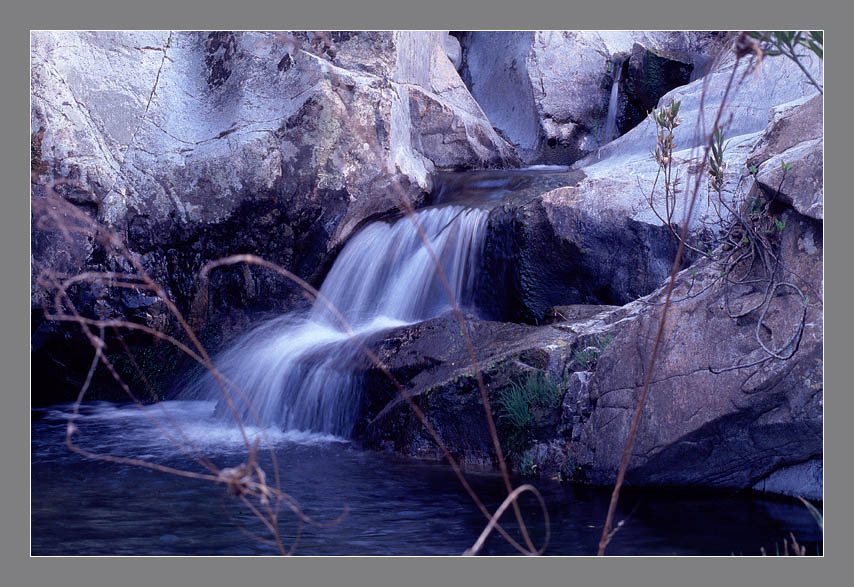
x: 706, y: 423
x: 572, y: 245
x: 789, y: 156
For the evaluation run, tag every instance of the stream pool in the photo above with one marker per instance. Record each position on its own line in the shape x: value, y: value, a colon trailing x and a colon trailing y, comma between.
x: 395, y: 506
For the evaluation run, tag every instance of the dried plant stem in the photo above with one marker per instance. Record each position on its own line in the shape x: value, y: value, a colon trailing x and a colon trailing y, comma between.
x: 621, y: 473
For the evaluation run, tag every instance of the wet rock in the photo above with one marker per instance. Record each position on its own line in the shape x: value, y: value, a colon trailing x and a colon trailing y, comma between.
x: 573, y: 245
x: 431, y: 362
x: 648, y: 76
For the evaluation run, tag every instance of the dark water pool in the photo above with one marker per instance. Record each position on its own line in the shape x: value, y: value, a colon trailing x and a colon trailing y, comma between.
x: 396, y: 506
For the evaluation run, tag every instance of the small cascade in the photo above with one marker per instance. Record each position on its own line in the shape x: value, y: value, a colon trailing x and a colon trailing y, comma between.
x: 611, y: 120
x: 300, y: 372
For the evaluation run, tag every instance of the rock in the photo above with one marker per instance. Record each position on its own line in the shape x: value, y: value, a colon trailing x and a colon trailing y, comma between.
x: 572, y: 245
x: 191, y: 146
x: 755, y: 92
x: 576, y: 312
x: 795, y: 177
x: 548, y: 91
x: 801, y: 480
x: 705, y: 429
x: 453, y: 50
x: 795, y: 139
x: 648, y: 76
x: 431, y: 362
x: 600, y: 241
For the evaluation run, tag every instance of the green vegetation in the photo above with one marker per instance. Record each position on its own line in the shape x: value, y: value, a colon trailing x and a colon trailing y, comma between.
x: 517, y: 402
x: 716, y: 161
x: 585, y: 359
x: 528, y: 464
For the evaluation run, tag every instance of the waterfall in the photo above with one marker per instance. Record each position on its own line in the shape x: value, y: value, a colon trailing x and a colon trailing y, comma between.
x: 611, y: 120
x: 299, y: 371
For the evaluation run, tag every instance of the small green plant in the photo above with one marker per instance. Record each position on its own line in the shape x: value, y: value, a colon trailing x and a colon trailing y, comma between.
x: 585, y: 359
x: 528, y: 464
x: 517, y: 401
x: 515, y: 408
x: 753, y: 170
x: 779, y: 224
x: 716, y: 160
x: 785, y: 166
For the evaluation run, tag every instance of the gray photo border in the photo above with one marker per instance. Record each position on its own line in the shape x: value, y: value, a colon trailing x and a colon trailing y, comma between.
x: 18, y: 568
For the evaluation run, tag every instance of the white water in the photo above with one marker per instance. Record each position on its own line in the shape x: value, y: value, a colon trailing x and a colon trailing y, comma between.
x: 299, y: 372
x: 611, y: 120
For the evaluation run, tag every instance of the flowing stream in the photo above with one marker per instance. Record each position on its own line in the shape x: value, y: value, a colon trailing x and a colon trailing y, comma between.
x: 611, y: 120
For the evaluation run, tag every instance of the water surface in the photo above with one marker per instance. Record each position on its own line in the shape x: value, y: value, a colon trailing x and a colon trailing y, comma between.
x: 396, y: 506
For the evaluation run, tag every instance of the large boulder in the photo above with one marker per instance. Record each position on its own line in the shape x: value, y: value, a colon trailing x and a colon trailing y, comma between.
x: 191, y: 145
x: 789, y: 157
x: 707, y: 423
x: 549, y: 91
x: 572, y: 245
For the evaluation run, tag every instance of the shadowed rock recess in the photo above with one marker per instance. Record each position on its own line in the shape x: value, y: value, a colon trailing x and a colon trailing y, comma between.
x: 298, y: 146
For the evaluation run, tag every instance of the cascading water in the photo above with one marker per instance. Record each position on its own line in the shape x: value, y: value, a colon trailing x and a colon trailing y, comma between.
x: 611, y: 120
x: 297, y: 371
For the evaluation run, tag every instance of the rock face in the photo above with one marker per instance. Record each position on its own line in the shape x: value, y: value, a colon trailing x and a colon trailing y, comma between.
x: 794, y: 139
x: 730, y: 429
x: 548, y: 91
x: 570, y: 246
x: 719, y: 412
x: 192, y: 145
